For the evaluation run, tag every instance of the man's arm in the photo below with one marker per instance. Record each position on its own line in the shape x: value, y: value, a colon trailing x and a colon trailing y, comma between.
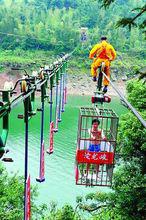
x: 113, y: 53
x: 93, y: 51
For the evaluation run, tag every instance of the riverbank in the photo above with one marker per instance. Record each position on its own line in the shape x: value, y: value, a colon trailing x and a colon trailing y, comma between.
x: 83, y: 85
x: 77, y: 84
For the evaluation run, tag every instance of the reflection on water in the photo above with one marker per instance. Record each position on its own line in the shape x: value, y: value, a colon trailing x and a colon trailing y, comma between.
x: 59, y: 182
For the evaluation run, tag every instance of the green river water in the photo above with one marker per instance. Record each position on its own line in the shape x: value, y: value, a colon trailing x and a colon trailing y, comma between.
x: 59, y: 184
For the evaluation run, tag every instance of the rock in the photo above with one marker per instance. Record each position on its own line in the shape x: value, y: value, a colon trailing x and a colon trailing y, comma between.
x: 124, y: 78
x: 8, y: 85
x: 115, y: 71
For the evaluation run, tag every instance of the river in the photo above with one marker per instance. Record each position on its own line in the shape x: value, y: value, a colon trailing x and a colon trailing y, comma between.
x: 59, y: 185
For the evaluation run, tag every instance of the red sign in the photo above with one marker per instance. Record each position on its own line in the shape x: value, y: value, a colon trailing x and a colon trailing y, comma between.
x: 51, y: 148
x: 27, y: 199
x: 85, y: 156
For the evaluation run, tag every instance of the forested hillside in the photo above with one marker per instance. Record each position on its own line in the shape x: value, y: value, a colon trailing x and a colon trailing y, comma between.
x: 55, y: 25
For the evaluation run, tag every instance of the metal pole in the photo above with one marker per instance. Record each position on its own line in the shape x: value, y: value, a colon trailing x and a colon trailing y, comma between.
x: 62, y: 106
x: 56, y: 109
x: 42, y: 123
x: 51, y: 103
x: 65, y: 90
x: 26, y: 153
x: 41, y: 178
x: 59, y: 111
x: 127, y: 103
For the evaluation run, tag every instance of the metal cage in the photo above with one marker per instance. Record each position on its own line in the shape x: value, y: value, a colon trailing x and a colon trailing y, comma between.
x: 96, y: 168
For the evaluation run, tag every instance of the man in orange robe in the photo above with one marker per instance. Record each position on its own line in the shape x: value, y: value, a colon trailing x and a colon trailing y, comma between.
x: 102, y: 52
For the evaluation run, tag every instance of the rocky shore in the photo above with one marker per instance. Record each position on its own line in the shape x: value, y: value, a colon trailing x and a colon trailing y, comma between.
x: 83, y: 85
x: 78, y: 84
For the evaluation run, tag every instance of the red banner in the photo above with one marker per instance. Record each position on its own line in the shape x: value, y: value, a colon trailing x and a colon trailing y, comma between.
x: 27, y: 199
x: 51, y: 147
x: 85, y: 156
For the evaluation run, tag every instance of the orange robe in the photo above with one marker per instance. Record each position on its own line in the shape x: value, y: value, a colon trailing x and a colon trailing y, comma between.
x: 104, y: 52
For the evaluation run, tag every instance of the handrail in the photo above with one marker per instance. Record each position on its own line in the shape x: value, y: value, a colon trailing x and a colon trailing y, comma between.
x: 45, y: 75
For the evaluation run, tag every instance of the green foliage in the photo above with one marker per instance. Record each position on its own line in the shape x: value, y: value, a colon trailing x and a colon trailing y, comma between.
x: 11, y: 191
x: 130, y: 192
x: 106, y: 3
x: 55, y: 25
x: 126, y: 21
x: 30, y: 59
x: 137, y: 94
x: 130, y: 21
x: 130, y: 179
x: 11, y: 198
x: 65, y: 213
x: 132, y: 137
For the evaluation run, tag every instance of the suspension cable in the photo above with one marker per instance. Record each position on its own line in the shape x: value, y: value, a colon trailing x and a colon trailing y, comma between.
x: 126, y: 102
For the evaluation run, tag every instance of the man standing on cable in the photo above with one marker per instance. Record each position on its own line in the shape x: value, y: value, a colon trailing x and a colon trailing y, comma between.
x: 102, y: 52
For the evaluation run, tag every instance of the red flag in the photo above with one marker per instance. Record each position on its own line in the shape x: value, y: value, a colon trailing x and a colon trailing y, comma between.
x: 27, y: 199
x: 51, y: 147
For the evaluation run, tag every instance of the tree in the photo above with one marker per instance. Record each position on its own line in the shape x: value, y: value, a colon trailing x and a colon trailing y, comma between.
x: 136, y: 94
x: 11, y: 191
x: 11, y: 198
x: 42, y: 24
x: 129, y: 21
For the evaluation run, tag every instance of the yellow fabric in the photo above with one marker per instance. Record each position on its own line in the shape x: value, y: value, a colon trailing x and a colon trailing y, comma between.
x: 96, y: 64
x: 104, y: 52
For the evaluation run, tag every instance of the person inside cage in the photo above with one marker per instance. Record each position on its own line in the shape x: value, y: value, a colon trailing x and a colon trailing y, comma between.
x: 97, y: 142
x: 96, y: 136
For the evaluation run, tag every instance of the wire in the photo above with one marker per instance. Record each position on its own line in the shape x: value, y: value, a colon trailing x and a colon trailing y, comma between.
x: 23, y: 36
x: 127, y: 103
